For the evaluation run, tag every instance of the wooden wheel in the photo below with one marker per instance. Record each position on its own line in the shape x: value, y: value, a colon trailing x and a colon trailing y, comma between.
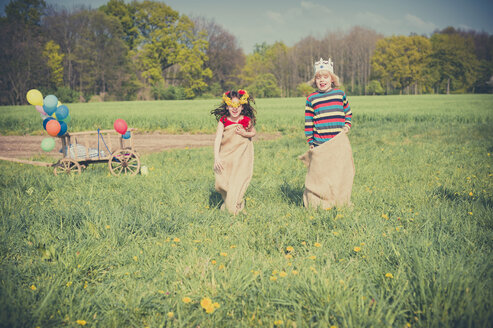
x: 67, y: 166
x: 124, y: 161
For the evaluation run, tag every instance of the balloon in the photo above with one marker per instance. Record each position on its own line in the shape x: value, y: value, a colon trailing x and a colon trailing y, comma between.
x: 40, y: 110
x: 58, y: 104
x: 53, y: 127
x: 126, y: 135
x: 46, y: 120
x: 49, y: 104
x: 48, y: 144
x: 63, y: 128
x: 34, y: 97
x: 67, y: 119
x: 61, y: 112
x: 120, y: 126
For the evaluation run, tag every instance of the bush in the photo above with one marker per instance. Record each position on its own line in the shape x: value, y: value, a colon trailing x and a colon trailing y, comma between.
x: 67, y: 95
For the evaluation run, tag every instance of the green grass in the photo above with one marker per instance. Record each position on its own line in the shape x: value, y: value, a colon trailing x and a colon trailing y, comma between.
x: 125, y: 251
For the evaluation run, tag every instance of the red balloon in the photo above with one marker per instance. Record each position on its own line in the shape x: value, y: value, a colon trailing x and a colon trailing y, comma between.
x: 120, y: 126
x: 53, y: 128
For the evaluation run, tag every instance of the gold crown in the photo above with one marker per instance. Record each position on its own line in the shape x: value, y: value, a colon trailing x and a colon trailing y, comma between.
x: 324, y: 65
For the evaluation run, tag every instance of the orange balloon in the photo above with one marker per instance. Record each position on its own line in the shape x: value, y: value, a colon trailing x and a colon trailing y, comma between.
x: 53, y: 127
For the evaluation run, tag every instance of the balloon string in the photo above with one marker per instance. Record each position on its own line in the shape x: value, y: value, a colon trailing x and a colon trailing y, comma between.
x: 100, y: 135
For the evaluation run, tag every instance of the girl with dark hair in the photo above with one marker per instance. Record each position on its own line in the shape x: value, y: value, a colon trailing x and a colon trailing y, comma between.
x: 233, y: 147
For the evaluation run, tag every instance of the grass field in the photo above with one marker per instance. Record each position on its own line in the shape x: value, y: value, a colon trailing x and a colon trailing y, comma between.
x: 415, y: 250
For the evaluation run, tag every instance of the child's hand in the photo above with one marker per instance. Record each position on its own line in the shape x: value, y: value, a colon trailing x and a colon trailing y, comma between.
x: 218, y: 165
x: 240, y: 130
x: 345, y: 129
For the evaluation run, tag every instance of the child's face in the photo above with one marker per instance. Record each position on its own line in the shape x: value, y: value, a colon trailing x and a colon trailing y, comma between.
x: 323, y: 81
x: 235, y: 112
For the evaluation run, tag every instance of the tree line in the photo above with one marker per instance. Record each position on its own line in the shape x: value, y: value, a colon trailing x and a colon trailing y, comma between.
x: 146, y: 50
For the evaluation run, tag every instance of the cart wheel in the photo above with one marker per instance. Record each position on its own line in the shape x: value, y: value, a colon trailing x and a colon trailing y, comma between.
x: 67, y: 166
x: 124, y: 161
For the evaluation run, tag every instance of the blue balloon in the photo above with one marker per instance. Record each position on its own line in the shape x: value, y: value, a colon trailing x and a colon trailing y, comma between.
x: 49, y: 104
x: 63, y: 128
x: 61, y: 112
x: 46, y: 120
x: 126, y: 135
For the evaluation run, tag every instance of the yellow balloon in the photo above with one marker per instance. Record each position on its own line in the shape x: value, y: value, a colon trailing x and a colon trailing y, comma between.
x: 34, y: 97
x: 59, y: 103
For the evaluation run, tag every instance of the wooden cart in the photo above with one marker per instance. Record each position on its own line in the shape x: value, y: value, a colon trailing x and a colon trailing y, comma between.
x: 83, y: 148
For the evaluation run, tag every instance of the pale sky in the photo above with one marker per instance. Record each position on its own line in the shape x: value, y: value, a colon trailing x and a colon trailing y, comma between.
x: 257, y: 21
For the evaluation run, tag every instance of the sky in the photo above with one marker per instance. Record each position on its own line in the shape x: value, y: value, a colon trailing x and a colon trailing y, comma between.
x: 257, y: 21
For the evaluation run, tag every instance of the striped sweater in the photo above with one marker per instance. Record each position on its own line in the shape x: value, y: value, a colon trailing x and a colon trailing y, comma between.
x: 325, y: 115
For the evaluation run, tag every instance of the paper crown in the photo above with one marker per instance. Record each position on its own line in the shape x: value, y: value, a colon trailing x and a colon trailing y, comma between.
x: 324, y: 65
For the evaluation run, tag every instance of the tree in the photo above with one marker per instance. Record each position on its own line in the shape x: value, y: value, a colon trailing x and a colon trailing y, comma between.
x: 264, y: 86
x: 453, y: 62
x: 165, y: 40
x: 225, y: 57
x: 54, y: 61
x: 21, y: 41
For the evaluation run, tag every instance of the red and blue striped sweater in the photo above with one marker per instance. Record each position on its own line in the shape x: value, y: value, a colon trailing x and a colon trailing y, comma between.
x: 325, y: 115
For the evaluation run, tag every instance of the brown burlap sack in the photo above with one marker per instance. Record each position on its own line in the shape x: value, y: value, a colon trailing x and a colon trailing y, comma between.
x: 329, y: 180
x: 236, y: 154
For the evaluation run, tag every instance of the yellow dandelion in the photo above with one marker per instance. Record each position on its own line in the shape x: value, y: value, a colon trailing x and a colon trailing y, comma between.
x: 385, y: 216
x: 176, y: 240
x: 232, y: 246
x: 335, y: 233
x: 295, y: 272
x: 171, y: 315
x: 206, y: 302
x: 290, y: 248
x: 213, y: 262
x: 273, y: 278
x: 85, y: 284
x: 221, y: 266
x: 186, y: 300
x: 33, y: 287
x: 216, y: 305
x: 68, y: 284
x: 357, y: 249
x: 313, y: 257
x: 223, y: 254
x: 274, y: 272
x: 470, y: 193
x: 135, y: 258
x: 288, y: 256
x: 333, y: 326
x: 107, y: 226
x: 161, y: 291
x: 389, y: 275
x: 303, y: 243
x: 282, y: 274
x: 470, y: 213
x: 256, y: 272
x: 196, y: 241
x: 81, y: 322
x: 278, y: 322
x: 317, y: 245
x: 408, y: 324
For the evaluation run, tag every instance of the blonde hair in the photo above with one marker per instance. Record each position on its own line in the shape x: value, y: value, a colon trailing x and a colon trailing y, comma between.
x: 334, y: 79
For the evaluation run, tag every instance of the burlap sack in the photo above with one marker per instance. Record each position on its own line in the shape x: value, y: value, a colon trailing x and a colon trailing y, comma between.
x: 329, y: 180
x: 236, y: 154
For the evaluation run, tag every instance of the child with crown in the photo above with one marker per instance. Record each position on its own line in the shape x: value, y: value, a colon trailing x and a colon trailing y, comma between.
x: 329, y: 161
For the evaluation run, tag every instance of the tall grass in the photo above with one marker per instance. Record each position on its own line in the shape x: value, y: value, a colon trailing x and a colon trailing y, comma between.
x: 415, y: 249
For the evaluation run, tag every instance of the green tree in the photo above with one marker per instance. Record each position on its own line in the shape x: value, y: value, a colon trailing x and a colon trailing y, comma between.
x: 166, y: 39
x: 54, y: 59
x: 453, y: 62
x: 26, y: 12
x: 264, y: 86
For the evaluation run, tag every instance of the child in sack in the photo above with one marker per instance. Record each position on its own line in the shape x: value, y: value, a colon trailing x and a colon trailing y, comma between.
x: 233, y: 148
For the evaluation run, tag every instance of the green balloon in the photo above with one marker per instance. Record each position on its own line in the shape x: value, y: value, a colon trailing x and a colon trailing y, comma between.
x: 48, y: 144
x: 67, y: 119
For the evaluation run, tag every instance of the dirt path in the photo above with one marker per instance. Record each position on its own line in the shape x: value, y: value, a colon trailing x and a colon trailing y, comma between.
x: 24, y: 147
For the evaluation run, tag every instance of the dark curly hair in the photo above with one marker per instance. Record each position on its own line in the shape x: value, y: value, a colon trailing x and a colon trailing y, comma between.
x: 248, y: 109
